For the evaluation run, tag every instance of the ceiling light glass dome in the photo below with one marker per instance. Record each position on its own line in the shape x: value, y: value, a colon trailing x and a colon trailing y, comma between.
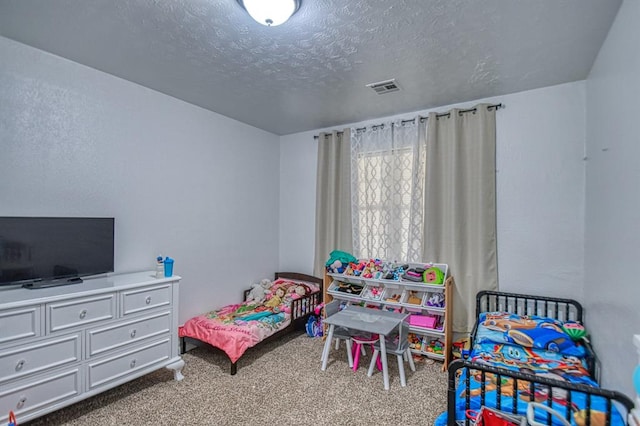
x: 270, y: 12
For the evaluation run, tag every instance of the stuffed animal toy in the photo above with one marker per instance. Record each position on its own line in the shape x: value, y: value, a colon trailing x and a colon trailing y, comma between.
x: 255, y: 293
x: 336, y: 267
x: 266, y: 285
x: 276, y: 299
x: 259, y: 291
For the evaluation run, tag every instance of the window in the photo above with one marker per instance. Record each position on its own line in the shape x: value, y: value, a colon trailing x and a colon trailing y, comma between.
x: 387, y: 192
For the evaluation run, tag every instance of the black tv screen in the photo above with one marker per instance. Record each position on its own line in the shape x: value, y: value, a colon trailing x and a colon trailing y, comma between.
x: 35, y: 249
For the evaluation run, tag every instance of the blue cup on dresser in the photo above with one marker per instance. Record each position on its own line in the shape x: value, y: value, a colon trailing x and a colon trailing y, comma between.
x: 168, y: 267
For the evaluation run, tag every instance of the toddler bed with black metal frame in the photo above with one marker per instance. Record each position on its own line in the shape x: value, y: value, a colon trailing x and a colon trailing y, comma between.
x: 510, y: 385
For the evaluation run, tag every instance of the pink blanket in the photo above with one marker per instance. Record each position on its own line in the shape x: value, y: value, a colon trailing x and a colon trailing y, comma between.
x: 236, y: 328
x: 226, y: 329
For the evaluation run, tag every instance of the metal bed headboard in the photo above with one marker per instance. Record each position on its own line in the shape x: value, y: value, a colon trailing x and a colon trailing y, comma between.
x: 526, y: 304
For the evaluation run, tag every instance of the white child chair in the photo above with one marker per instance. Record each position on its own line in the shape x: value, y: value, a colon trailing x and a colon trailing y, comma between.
x: 340, y: 333
x: 397, y: 345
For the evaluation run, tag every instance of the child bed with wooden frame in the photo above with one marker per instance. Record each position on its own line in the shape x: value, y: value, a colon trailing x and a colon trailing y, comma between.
x: 533, y: 363
x: 236, y: 328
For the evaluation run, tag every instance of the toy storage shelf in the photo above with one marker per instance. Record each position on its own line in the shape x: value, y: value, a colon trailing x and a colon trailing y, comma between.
x: 394, y: 295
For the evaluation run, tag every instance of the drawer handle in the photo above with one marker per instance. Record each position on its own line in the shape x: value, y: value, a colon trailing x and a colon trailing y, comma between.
x: 133, y: 334
x: 83, y: 313
x: 21, y: 402
x: 148, y: 300
x: 133, y: 363
x: 20, y: 364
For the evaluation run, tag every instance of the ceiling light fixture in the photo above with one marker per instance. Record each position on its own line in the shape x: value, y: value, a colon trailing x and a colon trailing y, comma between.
x: 270, y: 12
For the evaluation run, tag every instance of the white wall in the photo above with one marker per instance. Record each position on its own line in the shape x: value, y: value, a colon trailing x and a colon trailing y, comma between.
x: 540, y: 191
x: 179, y: 180
x: 612, y: 232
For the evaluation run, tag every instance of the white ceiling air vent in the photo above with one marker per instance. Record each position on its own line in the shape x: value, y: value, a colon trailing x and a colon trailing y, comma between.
x: 386, y: 86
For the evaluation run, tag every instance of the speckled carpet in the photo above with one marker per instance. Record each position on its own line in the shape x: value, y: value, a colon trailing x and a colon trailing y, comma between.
x: 278, y: 383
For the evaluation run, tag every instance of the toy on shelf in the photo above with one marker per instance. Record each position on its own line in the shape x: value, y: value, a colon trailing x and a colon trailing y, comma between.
x: 435, y: 346
x: 337, y: 260
x: 436, y: 300
x: 349, y: 288
x: 393, y: 298
x: 433, y: 275
x: 415, y: 342
x: 336, y: 267
x: 372, y: 268
x: 372, y: 292
x: 414, y: 274
x: 413, y: 298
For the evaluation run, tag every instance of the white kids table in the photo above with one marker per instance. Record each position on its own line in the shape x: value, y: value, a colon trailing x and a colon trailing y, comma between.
x: 375, y: 321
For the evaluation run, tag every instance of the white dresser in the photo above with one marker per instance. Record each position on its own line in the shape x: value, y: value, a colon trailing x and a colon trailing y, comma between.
x: 60, y: 345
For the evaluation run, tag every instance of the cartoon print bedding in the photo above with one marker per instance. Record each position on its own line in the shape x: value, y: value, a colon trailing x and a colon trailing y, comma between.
x: 531, y: 345
x: 238, y: 327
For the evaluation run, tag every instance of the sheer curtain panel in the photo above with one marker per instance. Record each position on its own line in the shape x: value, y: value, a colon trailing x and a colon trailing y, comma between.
x: 387, y: 178
x: 460, y: 204
x: 333, y: 198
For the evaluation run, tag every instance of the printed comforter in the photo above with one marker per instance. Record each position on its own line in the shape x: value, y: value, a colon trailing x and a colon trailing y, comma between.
x: 533, y: 345
x: 238, y: 327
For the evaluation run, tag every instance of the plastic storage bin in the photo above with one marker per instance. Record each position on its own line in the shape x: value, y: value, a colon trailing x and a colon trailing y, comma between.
x: 414, y: 297
x: 425, y: 321
x: 373, y: 292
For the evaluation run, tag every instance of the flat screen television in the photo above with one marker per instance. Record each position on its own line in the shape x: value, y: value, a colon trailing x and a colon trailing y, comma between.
x: 44, y: 251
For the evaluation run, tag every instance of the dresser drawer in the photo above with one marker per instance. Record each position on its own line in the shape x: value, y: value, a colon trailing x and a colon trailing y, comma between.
x: 35, y: 394
x: 31, y: 358
x: 119, y: 366
x: 79, y: 312
x: 19, y: 323
x: 115, y: 336
x: 139, y: 300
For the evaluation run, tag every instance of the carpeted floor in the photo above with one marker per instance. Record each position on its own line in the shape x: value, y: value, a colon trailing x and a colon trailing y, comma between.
x: 278, y: 383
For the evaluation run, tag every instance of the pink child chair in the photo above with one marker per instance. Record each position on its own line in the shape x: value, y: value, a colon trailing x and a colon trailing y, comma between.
x: 357, y: 344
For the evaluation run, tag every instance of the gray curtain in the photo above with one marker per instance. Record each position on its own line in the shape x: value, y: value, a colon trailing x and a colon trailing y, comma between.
x: 460, y: 205
x: 333, y: 198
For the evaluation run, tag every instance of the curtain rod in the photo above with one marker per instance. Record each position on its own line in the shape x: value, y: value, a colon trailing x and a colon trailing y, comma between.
x: 422, y: 119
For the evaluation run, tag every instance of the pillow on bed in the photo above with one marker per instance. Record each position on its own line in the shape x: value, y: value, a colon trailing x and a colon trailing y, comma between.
x: 530, y: 331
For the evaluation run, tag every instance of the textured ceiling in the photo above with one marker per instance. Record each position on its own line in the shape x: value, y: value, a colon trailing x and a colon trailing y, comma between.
x: 311, y: 72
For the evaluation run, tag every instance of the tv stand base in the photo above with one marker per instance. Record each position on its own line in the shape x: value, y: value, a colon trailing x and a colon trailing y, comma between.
x: 34, y: 285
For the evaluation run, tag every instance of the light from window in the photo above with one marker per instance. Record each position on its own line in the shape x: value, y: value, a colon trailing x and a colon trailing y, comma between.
x: 386, y: 190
